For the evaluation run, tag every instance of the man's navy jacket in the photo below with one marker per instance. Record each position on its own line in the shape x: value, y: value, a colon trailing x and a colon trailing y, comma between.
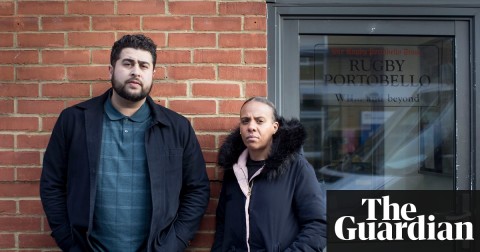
x: 179, y: 183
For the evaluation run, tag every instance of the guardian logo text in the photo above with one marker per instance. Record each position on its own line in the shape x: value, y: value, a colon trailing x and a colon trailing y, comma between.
x: 395, y: 222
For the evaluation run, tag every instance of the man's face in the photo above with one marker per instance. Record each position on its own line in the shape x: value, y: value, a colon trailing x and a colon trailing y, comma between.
x: 132, y: 74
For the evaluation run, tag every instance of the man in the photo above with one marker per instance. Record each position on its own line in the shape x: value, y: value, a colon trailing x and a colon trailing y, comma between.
x: 120, y: 172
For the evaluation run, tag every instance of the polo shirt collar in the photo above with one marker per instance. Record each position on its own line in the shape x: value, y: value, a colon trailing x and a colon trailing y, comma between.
x: 142, y: 114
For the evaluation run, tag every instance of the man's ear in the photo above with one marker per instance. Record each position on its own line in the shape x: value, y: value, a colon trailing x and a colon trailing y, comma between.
x: 110, y: 70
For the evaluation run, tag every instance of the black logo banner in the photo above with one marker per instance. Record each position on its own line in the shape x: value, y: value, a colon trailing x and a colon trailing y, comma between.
x: 440, y: 221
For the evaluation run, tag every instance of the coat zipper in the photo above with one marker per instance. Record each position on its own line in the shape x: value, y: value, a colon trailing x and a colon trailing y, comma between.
x: 241, y: 173
x: 250, y: 186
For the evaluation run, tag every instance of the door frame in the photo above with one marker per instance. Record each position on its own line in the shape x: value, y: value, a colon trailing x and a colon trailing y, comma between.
x: 282, y: 15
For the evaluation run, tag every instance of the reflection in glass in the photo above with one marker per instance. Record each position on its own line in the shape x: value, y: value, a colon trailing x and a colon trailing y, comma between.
x: 379, y: 110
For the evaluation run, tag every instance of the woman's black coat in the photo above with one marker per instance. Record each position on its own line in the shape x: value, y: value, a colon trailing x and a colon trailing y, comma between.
x: 287, y: 206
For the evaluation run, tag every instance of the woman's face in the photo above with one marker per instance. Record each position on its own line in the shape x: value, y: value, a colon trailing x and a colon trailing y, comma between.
x: 257, y: 127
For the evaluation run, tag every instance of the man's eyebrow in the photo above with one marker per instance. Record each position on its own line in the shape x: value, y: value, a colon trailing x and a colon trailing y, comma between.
x: 144, y: 62
x: 139, y: 61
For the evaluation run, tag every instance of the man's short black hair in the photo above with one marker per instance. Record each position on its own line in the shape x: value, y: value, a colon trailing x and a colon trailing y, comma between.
x: 136, y: 41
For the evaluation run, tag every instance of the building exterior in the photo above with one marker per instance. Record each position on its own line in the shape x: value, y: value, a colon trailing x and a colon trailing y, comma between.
x: 385, y: 89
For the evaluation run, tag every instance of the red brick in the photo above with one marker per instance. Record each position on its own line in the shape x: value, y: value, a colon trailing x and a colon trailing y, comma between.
x: 6, y: 141
x: 191, y: 72
x: 255, y: 56
x: 40, y: 106
x: 206, y: 141
x: 109, y: 23
x: 256, y: 89
x: 66, y: 90
x: 46, y: 225
x: 211, y: 172
x: 6, y: 40
x: 144, y: 8
x: 6, y: 73
x: 48, y: 123
x: 101, y: 57
x: 161, y: 102
x: 18, y: 189
x: 100, y: 88
x: 29, y: 174
x: 217, y: 56
x: 91, y: 39
x: 18, y: 56
x: 215, y: 90
x: 243, y: 8
x: 18, y: 90
x: 160, y: 73
x: 18, y: 24
x: 65, y: 57
x: 207, y: 223
x: 6, y: 106
x: 230, y: 106
x: 215, y: 123
x: 167, y: 23
x: 212, y: 203
x: 242, y: 73
x: 217, y: 24
x: 6, y: 174
x: 210, y: 156
x: 19, y: 158
x: 36, y: 241
x: 244, y: 40
x: 215, y: 188
x: 20, y: 224
x: 204, y: 240
x: 7, y: 207
x: 173, y: 56
x: 191, y: 40
x: 193, y: 106
x: 18, y: 123
x: 28, y: 207
x: 40, y: 40
x: 75, y: 102
x: 88, y: 73
x: 7, y: 241
x: 255, y: 24
x: 192, y: 8
x: 222, y: 137
x: 169, y: 89
x: 7, y: 8
x: 40, y: 8
x: 91, y: 7
x: 65, y: 23
x: 32, y: 141
x: 160, y: 38
x: 42, y: 73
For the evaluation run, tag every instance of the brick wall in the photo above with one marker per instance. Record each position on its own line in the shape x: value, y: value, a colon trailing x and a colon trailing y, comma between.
x: 53, y: 54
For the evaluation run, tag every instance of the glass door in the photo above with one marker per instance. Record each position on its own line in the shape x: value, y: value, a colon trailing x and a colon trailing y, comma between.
x: 379, y: 110
x: 382, y: 101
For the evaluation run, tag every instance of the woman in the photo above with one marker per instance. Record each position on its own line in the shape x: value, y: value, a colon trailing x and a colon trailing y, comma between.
x: 270, y: 198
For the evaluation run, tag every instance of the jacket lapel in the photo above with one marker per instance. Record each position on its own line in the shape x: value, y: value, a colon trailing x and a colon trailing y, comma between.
x: 93, y: 111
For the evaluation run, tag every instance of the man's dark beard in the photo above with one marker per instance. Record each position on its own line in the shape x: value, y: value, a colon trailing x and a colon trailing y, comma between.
x: 121, y: 90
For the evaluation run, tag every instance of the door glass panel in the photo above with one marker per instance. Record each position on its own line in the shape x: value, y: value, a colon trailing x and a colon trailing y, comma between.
x: 379, y: 110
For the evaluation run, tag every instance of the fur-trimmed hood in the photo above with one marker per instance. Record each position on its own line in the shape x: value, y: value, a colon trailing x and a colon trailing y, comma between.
x: 287, y: 143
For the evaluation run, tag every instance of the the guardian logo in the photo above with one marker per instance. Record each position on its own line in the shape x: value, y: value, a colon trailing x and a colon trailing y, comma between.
x: 398, y: 222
